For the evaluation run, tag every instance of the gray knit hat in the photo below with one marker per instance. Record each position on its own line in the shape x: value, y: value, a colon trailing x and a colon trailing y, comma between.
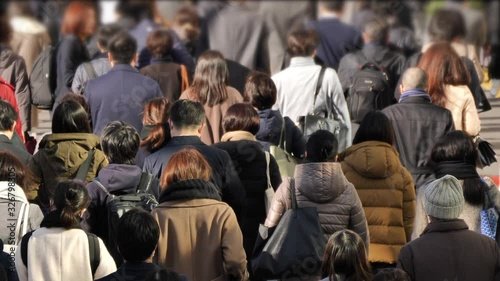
x: 444, y: 198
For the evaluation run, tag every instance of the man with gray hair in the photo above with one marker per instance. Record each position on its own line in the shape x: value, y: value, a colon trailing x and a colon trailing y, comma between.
x: 447, y: 249
x: 418, y: 124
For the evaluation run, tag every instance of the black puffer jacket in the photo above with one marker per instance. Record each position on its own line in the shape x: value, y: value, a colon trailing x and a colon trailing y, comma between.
x: 271, y: 123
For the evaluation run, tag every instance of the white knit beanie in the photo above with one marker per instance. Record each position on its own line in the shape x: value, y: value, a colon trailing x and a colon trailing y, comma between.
x: 444, y: 198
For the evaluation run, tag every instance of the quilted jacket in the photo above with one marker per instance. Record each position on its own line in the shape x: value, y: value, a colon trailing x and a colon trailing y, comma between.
x: 387, y: 193
x: 324, y: 186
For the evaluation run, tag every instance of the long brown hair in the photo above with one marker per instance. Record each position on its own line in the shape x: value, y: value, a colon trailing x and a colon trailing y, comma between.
x: 443, y: 67
x: 187, y: 164
x: 210, y: 79
x: 345, y: 253
x: 13, y: 170
x: 157, y: 113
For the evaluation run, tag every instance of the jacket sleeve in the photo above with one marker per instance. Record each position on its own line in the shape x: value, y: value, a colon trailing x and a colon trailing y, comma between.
x: 35, y: 217
x: 23, y: 95
x: 34, y: 166
x: 281, y: 202
x: 274, y: 173
x: 233, y: 192
x: 297, y: 143
x: 79, y: 79
x: 357, y: 218
x: 451, y: 125
x: 235, y: 262
x: 347, y: 68
x: 405, y: 261
x: 107, y: 264
x: 22, y: 270
x: 420, y: 215
x: 338, y: 105
x: 470, y: 123
x: 409, y: 202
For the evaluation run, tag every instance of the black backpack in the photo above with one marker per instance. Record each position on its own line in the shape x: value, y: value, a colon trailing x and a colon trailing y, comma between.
x: 370, y: 91
x: 43, y: 78
x: 117, y: 205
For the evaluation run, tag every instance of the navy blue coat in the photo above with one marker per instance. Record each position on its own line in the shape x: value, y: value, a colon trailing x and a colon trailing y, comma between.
x: 120, y: 94
x: 336, y: 40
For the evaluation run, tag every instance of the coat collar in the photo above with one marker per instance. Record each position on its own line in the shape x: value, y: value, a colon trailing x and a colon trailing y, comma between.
x: 237, y: 136
x: 416, y: 99
x: 4, y: 139
x: 302, y: 61
x: 123, y: 67
x: 445, y: 226
x: 185, y: 140
x: 189, y: 190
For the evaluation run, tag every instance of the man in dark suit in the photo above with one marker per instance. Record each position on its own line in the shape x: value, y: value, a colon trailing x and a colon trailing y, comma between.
x: 121, y: 93
x: 8, y: 119
x: 187, y: 119
x: 418, y: 124
x: 336, y: 37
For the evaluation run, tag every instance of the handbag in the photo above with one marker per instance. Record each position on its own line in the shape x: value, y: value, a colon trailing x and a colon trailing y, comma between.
x: 294, y: 248
x: 486, y: 153
x: 489, y: 216
x: 325, y: 120
x: 286, y: 162
x: 269, y: 195
x: 480, y: 99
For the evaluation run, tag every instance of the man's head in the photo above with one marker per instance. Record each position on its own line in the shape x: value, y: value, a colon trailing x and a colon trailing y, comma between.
x: 322, y: 146
x: 8, y: 118
x: 331, y: 6
x: 186, y: 118
x: 376, y: 30
x: 141, y: 236
x: 260, y: 90
x: 104, y: 33
x: 122, y: 49
x: 414, y: 78
x: 444, y: 198
x: 160, y: 43
x: 120, y: 143
x: 302, y: 43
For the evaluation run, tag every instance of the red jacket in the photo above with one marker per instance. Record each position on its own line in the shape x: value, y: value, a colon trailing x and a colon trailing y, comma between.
x: 7, y: 93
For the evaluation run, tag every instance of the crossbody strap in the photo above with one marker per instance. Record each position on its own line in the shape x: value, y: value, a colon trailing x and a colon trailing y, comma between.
x: 84, y: 168
x: 292, y: 193
x: 89, y: 68
x: 319, y: 83
x: 268, y: 160
x: 94, y: 252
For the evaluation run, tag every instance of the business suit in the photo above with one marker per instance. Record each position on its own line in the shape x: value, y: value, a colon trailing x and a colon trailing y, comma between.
x: 120, y: 94
x: 6, y: 144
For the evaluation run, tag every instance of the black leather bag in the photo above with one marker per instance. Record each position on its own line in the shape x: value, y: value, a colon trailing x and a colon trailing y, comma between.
x: 482, y: 102
x: 294, y: 248
x: 486, y: 153
x: 314, y: 122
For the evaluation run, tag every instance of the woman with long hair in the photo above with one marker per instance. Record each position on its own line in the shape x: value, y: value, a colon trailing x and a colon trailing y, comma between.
x: 61, y: 153
x: 191, y: 204
x: 345, y: 258
x: 210, y: 88
x: 64, y: 245
x: 156, y: 130
x: 384, y: 186
x: 447, y: 86
x: 78, y: 24
x: 455, y: 154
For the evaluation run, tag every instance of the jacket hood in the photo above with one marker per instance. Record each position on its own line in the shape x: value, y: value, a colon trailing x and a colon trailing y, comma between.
x: 372, y: 159
x: 27, y: 25
x: 320, y: 182
x: 18, y: 192
x: 270, y: 125
x: 85, y: 140
x: 120, y: 177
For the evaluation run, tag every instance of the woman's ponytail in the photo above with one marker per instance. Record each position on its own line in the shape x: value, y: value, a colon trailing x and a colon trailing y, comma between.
x: 70, y: 199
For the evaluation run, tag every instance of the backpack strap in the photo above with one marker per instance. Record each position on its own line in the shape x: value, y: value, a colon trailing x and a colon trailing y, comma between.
x: 292, y: 193
x: 89, y: 68
x: 102, y: 187
x: 94, y: 252
x: 281, y: 144
x: 145, y: 182
x: 84, y: 168
x: 24, y: 248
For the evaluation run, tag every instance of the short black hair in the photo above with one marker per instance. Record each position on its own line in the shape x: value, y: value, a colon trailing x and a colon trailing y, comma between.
x: 123, y: 47
x: 141, y: 235
x: 322, y: 146
x: 332, y: 5
x: 260, y: 90
x: 8, y: 115
x: 70, y: 117
x: 447, y: 24
x: 105, y: 32
x: 186, y: 113
x: 375, y: 126
x: 120, y: 142
x: 241, y: 117
x: 302, y: 42
x: 391, y: 274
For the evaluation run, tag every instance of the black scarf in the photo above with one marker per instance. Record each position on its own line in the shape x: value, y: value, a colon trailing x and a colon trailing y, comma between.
x: 190, y: 189
x: 458, y: 169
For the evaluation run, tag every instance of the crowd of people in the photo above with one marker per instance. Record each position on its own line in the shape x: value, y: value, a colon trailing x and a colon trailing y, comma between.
x: 185, y: 133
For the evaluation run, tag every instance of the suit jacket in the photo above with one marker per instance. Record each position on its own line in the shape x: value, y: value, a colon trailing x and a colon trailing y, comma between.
x: 21, y: 154
x: 336, y: 40
x: 120, y: 94
x: 224, y: 174
x: 418, y: 125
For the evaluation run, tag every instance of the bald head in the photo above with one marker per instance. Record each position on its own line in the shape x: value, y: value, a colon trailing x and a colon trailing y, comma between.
x: 414, y: 78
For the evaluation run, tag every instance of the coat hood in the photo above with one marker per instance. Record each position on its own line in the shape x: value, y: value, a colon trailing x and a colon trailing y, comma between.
x: 27, y: 25
x: 85, y: 140
x: 270, y: 125
x: 320, y: 182
x: 120, y: 177
x: 17, y: 193
x: 372, y: 159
